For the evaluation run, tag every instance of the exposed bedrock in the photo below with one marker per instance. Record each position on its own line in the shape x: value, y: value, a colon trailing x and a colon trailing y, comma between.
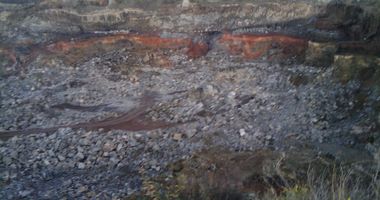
x: 255, y: 30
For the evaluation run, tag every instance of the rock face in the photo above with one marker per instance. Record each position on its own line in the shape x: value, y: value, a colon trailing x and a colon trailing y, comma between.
x: 125, y: 99
x: 269, y: 47
x: 320, y: 54
x: 106, y: 24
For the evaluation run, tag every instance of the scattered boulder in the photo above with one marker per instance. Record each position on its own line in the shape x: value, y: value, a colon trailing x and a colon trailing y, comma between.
x: 357, y: 67
x: 320, y: 54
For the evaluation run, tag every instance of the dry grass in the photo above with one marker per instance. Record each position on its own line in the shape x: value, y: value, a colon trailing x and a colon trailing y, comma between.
x: 335, y: 183
x: 338, y: 183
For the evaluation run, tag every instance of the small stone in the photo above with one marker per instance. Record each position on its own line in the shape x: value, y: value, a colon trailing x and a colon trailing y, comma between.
x: 185, y: 3
x: 231, y: 95
x: 292, y: 135
x: 3, y: 149
x: 177, y: 136
x: 79, y: 156
x: 156, y: 147
x: 114, y: 160
x: 109, y: 146
x: 91, y: 194
x: 13, y: 176
x: 61, y: 158
x: 84, y: 142
x: 258, y: 134
x: 80, y: 149
x: 210, y: 90
x: 67, y: 183
x: 46, y: 162
x: 7, y: 160
x: 52, y: 136
x: 357, y: 130
x: 82, y: 189
x: 190, y: 133
x: 25, y: 193
x: 242, y: 132
x: 13, y: 154
x: 5, y: 175
x: 146, y: 58
x: 157, y: 168
x: 153, y: 162
x: 320, y: 139
x: 54, y: 161
x: 314, y: 120
x: 119, y: 147
x: 48, y: 194
x: 81, y: 165
x: 13, y: 166
x: 198, y: 108
x: 51, y: 153
x: 64, y: 131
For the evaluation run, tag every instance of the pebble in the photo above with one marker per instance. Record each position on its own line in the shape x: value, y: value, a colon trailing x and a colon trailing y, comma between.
x: 242, y: 132
x: 210, y: 90
x: 81, y: 165
x: 5, y: 175
x: 231, y: 95
x: 46, y: 162
x: 61, y: 158
x: 80, y: 149
x: 51, y: 153
x: 82, y: 189
x: 91, y: 194
x: 79, y: 156
x: 357, y: 130
x: 119, y: 147
x: 114, y: 160
x: 84, y: 142
x: 146, y: 58
x: 191, y: 132
x: 186, y: 3
x: 67, y: 182
x: 109, y: 146
x: 156, y: 147
x: 25, y: 193
x: 177, y: 136
x: 258, y: 134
